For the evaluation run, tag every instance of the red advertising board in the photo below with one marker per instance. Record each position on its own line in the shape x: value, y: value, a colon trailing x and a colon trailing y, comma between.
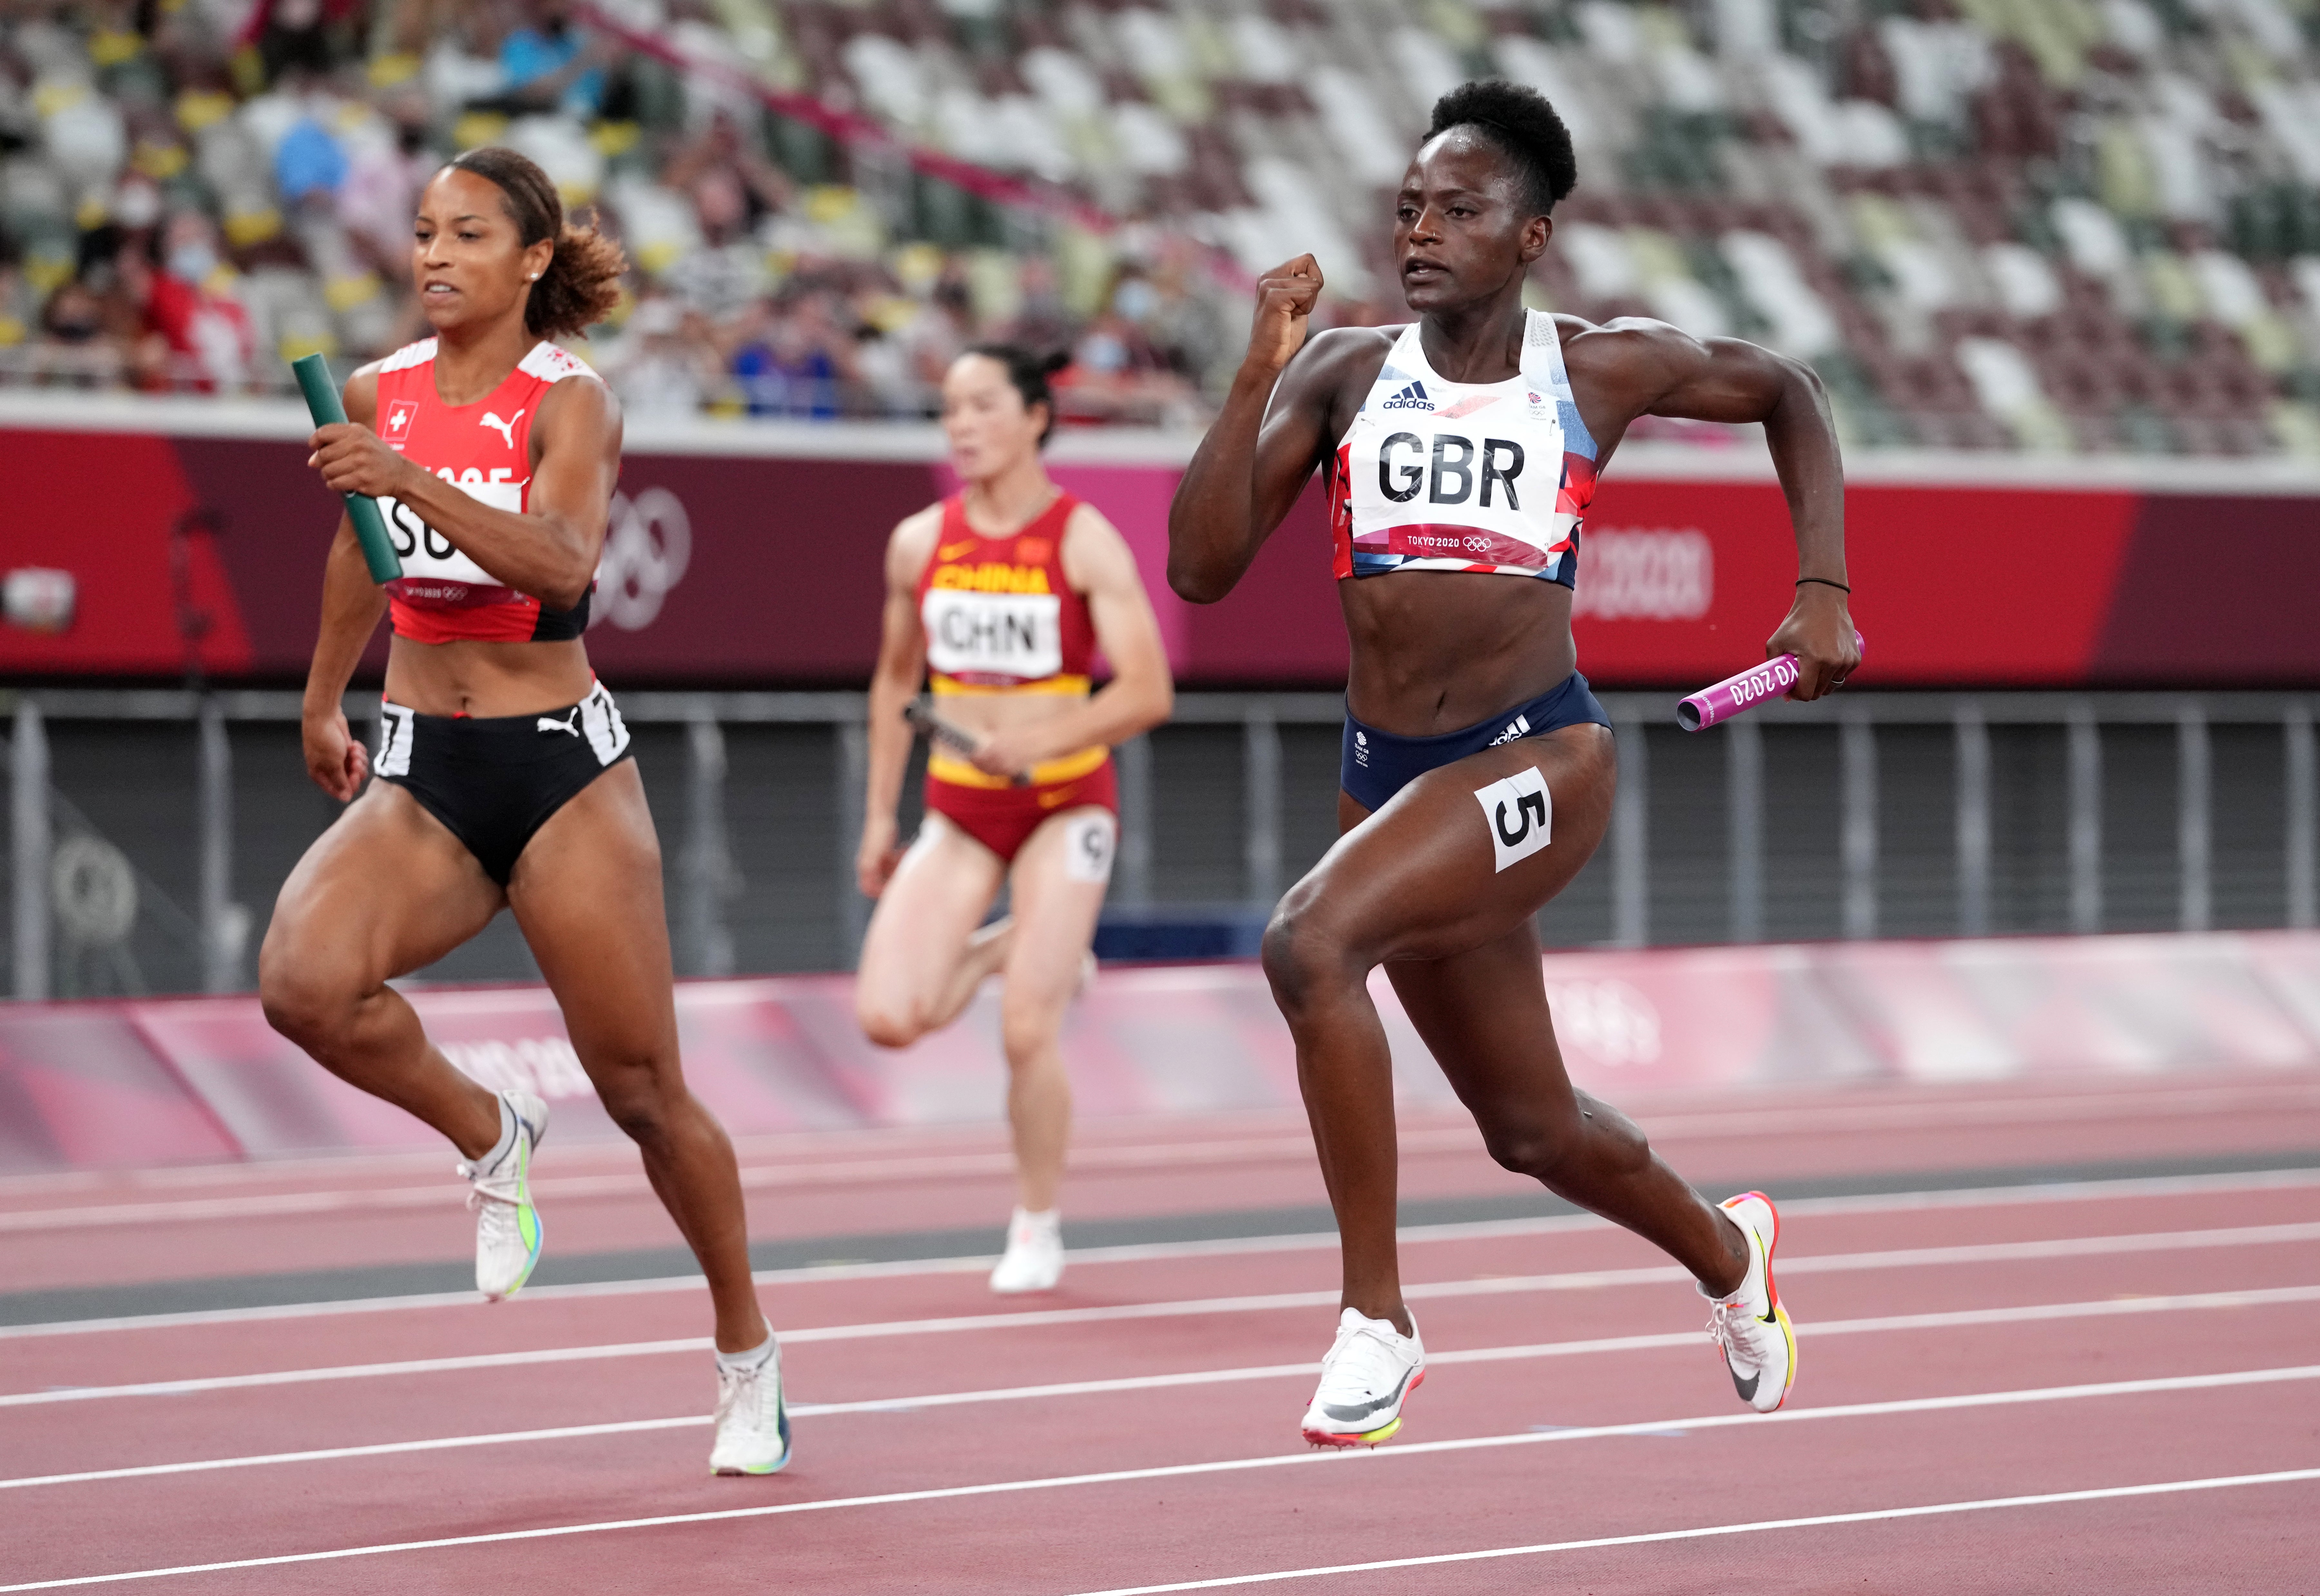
x: 744, y: 555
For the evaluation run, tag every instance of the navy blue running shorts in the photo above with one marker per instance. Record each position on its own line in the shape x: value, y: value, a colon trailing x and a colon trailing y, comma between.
x: 1376, y: 764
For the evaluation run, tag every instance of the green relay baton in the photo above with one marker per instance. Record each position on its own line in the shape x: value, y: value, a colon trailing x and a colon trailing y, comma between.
x: 370, y: 528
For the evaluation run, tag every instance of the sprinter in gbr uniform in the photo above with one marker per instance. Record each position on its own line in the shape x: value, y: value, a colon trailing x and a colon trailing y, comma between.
x: 1000, y: 596
x: 1460, y: 452
x: 505, y: 779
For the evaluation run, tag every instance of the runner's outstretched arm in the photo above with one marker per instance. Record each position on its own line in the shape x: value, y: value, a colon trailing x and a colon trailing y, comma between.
x: 1651, y: 368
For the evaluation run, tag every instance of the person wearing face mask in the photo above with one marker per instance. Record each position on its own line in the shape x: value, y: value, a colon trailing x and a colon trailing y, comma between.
x: 1002, y: 594
x: 209, y: 338
x: 1117, y: 370
x: 75, y: 345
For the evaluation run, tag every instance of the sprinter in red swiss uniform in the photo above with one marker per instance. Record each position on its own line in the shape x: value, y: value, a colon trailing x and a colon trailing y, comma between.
x: 999, y: 597
x: 504, y: 776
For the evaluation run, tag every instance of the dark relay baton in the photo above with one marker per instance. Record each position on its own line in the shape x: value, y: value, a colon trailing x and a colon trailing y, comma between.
x: 936, y: 729
x: 370, y: 527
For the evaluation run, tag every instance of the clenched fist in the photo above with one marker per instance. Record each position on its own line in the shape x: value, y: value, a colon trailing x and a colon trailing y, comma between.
x: 1285, y: 296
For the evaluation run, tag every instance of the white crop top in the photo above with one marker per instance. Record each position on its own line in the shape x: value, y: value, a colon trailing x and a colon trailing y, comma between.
x: 1437, y: 476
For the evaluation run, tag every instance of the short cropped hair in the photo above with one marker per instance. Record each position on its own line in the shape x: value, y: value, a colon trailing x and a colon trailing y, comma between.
x: 1524, y: 127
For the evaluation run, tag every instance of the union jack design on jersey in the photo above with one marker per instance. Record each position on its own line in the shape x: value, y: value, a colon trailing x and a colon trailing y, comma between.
x: 484, y: 449
x: 1462, y: 484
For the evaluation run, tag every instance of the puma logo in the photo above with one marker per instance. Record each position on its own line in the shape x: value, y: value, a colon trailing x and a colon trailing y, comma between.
x: 570, y: 723
x: 505, y: 428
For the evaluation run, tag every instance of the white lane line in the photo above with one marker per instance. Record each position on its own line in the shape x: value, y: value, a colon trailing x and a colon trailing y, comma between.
x: 1806, y: 1119
x: 1726, y: 1419
x: 1035, y: 1319
x: 2058, y: 1192
x: 445, y: 1194
x: 1818, y: 1521
x: 1954, y: 1318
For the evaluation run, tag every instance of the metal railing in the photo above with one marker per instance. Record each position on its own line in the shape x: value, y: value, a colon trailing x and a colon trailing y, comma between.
x: 704, y: 883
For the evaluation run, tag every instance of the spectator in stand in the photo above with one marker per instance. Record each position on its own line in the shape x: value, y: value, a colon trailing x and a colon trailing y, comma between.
x: 18, y: 312
x: 797, y: 361
x: 1042, y: 323
x: 1117, y: 373
x: 1186, y: 325
x: 413, y: 27
x: 309, y: 35
x: 941, y: 330
x: 665, y: 362
x: 734, y: 189
x: 381, y: 186
x: 197, y: 336
x: 309, y: 162
x: 551, y: 64
x: 76, y: 345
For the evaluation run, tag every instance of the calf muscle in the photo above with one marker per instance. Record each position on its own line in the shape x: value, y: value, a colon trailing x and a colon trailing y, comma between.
x: 1419, y: 888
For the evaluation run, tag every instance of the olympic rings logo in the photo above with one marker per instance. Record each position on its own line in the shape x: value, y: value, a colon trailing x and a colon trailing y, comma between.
x: 648, y: 546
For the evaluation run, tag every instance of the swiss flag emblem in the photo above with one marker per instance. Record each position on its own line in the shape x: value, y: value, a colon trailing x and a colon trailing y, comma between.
x: 399, y: 416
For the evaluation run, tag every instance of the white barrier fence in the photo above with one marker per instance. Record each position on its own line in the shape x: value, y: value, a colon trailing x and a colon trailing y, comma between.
x: 76, y: 894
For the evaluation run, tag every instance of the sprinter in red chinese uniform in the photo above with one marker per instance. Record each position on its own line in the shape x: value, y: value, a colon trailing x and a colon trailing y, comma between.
x: 504, y: 775
x: 999, y: 597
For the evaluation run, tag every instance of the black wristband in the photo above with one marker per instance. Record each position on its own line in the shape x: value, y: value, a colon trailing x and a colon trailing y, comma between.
x: 1824, y: 582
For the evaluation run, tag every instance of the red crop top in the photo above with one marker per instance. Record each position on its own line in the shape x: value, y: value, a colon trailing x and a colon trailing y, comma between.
x: 485, y: 449
x: 998, y: 613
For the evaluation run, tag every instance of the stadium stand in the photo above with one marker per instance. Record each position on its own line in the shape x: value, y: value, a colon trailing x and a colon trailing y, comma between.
x: 2067, y: 225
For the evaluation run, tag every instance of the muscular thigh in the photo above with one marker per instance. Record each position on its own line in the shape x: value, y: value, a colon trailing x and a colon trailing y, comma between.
x: 385, y: 891
x: 1466, y: 853
x: 1059, y: 880
x: 940, y: 893
x: 587, y: 893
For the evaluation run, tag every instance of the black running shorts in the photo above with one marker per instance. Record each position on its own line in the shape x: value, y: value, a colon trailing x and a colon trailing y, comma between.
x: 494, y: 783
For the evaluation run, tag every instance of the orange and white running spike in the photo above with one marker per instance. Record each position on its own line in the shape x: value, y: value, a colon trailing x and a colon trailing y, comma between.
x: 1759, y: 1343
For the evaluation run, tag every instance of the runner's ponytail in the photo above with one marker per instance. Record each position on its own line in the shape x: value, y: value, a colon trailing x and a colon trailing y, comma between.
x: 582, y: 282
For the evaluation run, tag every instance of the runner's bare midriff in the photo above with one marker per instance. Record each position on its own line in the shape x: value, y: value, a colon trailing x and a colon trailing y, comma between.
x: 988, y: 712
x: 1436, y: 651
x: 487, y: 679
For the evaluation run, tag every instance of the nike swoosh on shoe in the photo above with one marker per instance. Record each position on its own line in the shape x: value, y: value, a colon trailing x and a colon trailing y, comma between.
x: 1349, y: 1415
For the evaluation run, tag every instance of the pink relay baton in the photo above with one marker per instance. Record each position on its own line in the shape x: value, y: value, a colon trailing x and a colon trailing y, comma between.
x: 1745, y: 691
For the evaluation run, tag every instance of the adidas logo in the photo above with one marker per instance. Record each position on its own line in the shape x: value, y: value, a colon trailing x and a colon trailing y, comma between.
x: 1412, y: 397
x: 1519, y: 729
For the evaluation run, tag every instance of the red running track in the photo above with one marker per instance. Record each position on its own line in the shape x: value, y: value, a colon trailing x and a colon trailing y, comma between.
x: 93, y: 1228
x: 2115, y: 1386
